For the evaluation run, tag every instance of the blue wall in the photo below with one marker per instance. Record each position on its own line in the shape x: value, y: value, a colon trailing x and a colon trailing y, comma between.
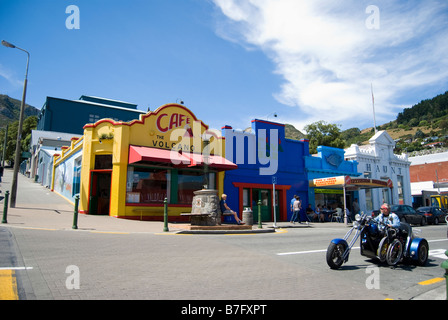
x: 284, y: 160
x: 329, y: 162
x: 69, y: 116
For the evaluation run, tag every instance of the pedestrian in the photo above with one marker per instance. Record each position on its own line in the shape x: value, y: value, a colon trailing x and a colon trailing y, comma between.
x: 291, y: 206
x: 312, y: 216
x: 226, y: 210
x: 296, y: 208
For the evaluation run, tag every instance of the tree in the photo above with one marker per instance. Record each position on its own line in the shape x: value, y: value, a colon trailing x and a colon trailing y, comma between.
x: 29, y: 124
x: 321, y: 133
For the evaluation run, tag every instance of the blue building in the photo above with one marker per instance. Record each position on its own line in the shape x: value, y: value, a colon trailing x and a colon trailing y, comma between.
x: 266, y: 161
x: 329, y: 162
x: 70, y: 116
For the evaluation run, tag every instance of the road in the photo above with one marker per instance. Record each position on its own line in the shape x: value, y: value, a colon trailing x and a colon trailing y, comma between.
x: 91, y: 263
x: 288, y: 264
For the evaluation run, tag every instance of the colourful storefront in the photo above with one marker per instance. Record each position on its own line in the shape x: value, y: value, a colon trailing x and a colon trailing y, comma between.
x: 271, y: 169
x: 129, y: 168
x: 329, y: 162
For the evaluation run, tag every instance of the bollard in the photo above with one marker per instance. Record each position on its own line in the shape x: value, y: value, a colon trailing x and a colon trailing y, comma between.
x: 444, y: 265
x: 165, y: 215
x: 75, y: 215
x: 5, y: 208
x: 260, y: 226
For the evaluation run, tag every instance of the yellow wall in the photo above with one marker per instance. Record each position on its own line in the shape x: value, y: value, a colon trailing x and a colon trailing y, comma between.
x: 164, y: 128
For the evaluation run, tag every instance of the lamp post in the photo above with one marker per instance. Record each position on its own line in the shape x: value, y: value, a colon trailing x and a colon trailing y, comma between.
x: 12, y: 203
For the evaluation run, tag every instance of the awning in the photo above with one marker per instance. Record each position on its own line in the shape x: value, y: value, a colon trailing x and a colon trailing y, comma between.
x: 145, y: 154
x: 350, y: 183
x: 213, y: 161
x: 177, y: 159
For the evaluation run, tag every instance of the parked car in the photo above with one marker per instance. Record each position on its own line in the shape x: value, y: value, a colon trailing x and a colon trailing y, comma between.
x: 405, y: 213
x: 433, y: 214
x: 408, y: 214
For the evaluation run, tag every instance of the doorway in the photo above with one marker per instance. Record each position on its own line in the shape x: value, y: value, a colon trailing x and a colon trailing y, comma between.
x: 99, y: 198
x: 267, y: 212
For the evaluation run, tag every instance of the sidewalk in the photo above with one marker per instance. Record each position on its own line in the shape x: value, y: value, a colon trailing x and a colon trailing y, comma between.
x: 39, y: 208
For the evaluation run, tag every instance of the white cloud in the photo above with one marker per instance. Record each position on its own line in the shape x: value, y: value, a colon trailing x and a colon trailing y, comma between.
x: 10, y: 77
x: 328, y: 58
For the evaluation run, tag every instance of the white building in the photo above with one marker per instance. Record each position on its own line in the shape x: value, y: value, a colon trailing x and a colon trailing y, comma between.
x: 429, y: 176
x: 378, y: 161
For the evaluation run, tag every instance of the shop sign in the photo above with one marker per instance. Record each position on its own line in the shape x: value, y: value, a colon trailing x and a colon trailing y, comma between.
x: 331, y: 181
x: 174, y: 127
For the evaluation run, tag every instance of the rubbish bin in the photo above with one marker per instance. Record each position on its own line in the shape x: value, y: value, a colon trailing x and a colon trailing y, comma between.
x: 248, y: 217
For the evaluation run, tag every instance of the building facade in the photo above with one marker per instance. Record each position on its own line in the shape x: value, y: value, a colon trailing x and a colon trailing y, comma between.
x: 429, y: 176
x: 327, y: 163
x: 128, y: 169
x: 55, y: 112
x: 271, y: 169
x: 378, y: 161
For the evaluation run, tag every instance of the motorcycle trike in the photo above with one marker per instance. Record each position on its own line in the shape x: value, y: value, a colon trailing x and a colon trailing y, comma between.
x: 379, y: 242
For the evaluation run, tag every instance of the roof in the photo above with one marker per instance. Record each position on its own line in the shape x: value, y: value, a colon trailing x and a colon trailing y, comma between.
x: 63, y: 136
x: 429, y: 158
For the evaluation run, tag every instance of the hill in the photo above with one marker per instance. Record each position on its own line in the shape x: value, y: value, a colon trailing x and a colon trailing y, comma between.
x: 426, y: 121
x: 292, y: 133
x: 10, y: 110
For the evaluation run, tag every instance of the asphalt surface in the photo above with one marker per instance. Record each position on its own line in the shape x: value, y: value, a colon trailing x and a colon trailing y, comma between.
x: 38, y: 208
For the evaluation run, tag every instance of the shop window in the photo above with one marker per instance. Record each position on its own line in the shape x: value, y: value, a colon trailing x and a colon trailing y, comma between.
x: 103, y: 162
x: 400, y: 188
x: 93, y: 118
x: 385, y: 193
x: 190, y: 181
x: 77, y: 177
x: 146, y: 185
x: 329, y: 198
x: 369, y: 201
x: 246, y: 198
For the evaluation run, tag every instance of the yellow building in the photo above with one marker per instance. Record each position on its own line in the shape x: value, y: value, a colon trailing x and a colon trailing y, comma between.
x: 129, y: 168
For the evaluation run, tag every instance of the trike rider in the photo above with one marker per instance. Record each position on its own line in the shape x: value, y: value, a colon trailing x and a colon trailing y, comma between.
x: 387, y: 218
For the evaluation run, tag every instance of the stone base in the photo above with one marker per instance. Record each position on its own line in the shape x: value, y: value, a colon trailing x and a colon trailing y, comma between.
x: 220, y: 227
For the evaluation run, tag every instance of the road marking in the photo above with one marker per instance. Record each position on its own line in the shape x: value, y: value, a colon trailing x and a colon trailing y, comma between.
x: 16, y: 268
x: 32, y: 228
x: 438, y: 240
x: 438, y: 253
x: 306, y: 252
x: 300, y: 252
x: 434, y: 253
x: 109, y: 232
x: 8, y: 285
x: 431, y: 281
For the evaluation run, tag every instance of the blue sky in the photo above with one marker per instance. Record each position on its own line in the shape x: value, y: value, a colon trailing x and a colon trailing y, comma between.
x: 231, y: 61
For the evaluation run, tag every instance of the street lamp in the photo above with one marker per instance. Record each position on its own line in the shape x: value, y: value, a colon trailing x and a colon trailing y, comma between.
x: 12, y: 202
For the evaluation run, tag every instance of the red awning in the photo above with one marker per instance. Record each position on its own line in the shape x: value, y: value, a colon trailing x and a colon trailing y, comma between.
x: 137, y: 154
x: 216, y: 162
x: 145, y: 154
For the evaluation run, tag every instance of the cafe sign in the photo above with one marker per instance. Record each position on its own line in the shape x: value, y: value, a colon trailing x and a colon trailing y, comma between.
x: 347, y: 181
x: 174, y: 127
x: 330, y: 181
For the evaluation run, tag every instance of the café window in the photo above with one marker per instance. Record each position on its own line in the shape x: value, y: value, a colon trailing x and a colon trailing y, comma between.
x: 147, y: 185
x: 103, y: 162
x: 190, y: 181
